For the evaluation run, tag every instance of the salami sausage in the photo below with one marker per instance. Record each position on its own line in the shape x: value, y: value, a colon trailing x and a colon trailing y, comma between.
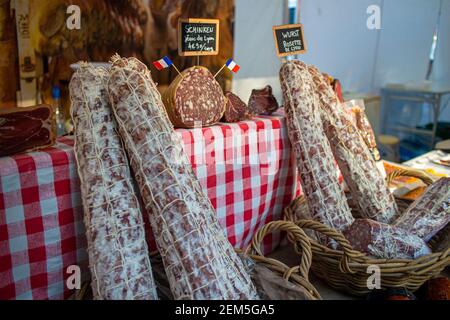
x: 199, y: 261
x: 118, y: 253
x: 367, y: 186
x: 316, y: 166
x: 430, y: 213
x: 194, y: 97
x: 385, y: 241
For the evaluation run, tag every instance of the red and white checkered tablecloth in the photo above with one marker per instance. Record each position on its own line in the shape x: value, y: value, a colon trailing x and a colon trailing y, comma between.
x: 246, y: 168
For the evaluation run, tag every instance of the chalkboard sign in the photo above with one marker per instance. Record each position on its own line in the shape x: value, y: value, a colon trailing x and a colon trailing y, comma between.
x: 198, y: 37
x: 289, y: 39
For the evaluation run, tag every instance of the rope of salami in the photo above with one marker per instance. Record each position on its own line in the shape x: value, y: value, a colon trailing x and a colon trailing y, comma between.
x: 367, y: 186
x: 199, y: 261
x: 316, y: 166
x: 118, y: 253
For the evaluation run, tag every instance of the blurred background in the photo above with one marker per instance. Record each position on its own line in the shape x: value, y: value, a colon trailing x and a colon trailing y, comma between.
x: 401, y: 71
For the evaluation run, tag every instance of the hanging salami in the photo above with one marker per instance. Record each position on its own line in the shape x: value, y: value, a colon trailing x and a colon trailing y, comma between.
x: 199, y: 261
x: 118, y: 253
x: 318, y: 173
x: 367, y: 186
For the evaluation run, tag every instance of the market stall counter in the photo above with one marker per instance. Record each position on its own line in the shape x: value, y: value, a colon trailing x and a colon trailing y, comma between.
x: 246, y: 168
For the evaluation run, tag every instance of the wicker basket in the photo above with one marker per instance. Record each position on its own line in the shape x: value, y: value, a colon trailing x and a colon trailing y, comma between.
x: 297, y: 275
x: 347, y: 269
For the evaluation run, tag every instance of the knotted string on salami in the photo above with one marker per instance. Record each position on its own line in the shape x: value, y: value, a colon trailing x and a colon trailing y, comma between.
x: 199, y: 261
x: 118, y: 253
x: 316, y: 166
x: 367, y: 186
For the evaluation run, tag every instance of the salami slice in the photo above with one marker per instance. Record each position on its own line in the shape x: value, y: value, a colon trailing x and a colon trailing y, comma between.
x: 194, y: 98
x: 118, y: 253
x: 199, y: 261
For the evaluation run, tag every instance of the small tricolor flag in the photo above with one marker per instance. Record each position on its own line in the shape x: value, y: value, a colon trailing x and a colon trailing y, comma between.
x: 232, y: 65
x: 162, y: 63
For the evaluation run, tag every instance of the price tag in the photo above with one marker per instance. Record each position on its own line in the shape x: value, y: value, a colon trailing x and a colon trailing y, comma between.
x: 198, y: 37
x: 289, y: 39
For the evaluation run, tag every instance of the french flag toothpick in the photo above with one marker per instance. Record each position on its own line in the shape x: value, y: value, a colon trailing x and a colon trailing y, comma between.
x: 233, y: 66
x: 163, y: 63
x: 230, y: 64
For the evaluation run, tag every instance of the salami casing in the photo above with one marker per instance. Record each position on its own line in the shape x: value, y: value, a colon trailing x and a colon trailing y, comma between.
x: 194, y: 98
x: 118, y: 253
x: 367, y: 186
x: 385, y: 241
x: 199, y: 261
x: 316, y: 166
x: 429, y: 213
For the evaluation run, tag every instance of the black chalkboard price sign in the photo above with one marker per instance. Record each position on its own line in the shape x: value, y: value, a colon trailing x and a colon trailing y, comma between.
x: 289, y: 39
x: 198, y: 37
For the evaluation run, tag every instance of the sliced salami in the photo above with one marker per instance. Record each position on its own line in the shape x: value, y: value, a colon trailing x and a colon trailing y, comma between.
x: 194, y: 98
x: 118, y: 253
x: 26, y: 129
x: 199, y: 261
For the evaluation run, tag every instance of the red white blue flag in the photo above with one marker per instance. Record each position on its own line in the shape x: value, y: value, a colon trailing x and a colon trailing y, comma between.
x: 162, y: 63
x: 233, y: 66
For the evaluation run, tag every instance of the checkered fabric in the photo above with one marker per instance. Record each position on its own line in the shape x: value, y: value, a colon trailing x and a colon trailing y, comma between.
x: 246, y: 168
x: 41, y: 230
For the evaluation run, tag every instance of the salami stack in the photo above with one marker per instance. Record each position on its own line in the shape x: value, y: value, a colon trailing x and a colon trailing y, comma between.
x: 118, y: 253
x: 367, y: 186
x: 199, y: 261
x: 194, y: 98
x: 429, y: 213
x: 316, y: 166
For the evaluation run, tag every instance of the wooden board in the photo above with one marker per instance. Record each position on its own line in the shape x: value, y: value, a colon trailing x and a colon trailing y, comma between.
x: 289, y: 39
x: 27, y: 57
x: 198, y: 37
